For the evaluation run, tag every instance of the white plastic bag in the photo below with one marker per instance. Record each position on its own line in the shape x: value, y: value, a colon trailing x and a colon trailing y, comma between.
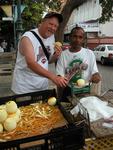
x: 96, y: 108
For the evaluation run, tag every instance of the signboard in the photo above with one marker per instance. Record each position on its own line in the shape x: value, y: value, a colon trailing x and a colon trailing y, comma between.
x: 7, y: 18
x: 88, y: 27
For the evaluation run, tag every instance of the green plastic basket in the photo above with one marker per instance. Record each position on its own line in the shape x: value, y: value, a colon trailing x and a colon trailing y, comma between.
x: 78, y: 90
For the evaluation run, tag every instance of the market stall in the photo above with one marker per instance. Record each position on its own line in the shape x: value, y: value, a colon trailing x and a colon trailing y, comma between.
x: 101, y: 120
x: 41, y: 125
x: 102, y: 128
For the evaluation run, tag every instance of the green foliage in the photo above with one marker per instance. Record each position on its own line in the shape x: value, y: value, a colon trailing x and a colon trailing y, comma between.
x: 107, y: 11
x: 35, y: 9
x: 54, y: 5
x: 32, y: 14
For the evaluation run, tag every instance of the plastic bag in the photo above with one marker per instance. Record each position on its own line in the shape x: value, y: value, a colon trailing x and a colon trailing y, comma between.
x: 96, y: 108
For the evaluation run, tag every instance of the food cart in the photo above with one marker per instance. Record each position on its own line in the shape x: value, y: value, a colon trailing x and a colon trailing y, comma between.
x: 103, y: 136
x: 74, y: 134
x: 66, y: 134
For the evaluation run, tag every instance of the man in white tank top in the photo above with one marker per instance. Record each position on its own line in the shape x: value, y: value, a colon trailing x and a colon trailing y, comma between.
x: 31, y: 69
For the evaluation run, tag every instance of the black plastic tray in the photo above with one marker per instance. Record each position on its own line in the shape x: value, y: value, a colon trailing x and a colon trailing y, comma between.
x: 69, y: 137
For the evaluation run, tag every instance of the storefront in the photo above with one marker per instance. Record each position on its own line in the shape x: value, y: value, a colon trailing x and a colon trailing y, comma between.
x: 6, y: 25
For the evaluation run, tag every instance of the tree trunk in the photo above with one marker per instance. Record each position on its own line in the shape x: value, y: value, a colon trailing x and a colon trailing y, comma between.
x: 69, y: 6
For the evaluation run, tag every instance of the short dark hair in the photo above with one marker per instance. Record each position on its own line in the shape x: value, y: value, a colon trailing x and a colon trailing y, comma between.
x: 54, y: 14
x: 76, y: 28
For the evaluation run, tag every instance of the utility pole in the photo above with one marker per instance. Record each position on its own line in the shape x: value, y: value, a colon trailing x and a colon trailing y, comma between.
x: 14, y: 28
x: 19, y: 28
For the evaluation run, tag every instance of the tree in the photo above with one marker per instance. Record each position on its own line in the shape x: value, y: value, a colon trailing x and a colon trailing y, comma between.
x: 34, y: 11
x: 66, y: 11
x: 70, y: 5
x: 35, y: 8
x: 32, y: 14
x: 107, y: 11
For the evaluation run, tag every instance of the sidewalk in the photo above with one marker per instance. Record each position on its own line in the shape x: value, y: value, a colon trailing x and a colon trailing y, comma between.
x: 5, y: 80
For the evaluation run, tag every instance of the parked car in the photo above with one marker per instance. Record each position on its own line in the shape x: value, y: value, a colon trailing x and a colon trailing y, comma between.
x: 104, y: 53
x: 65, y: 46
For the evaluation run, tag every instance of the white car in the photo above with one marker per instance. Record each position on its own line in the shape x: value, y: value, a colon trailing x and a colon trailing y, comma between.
x: 104, y: 53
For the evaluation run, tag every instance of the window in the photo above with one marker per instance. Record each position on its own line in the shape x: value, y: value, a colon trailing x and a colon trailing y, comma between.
x: 102, y: 49
x: 110, y: 48
x: 97, y: 49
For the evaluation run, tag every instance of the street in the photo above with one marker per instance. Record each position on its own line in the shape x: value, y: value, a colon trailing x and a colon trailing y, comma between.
x: 107, y: 76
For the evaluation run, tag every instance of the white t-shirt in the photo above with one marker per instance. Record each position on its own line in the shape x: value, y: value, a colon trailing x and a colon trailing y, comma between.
x: 4, y: 44
x: 24, y: 79
x: 1, y: 49
x: 84, y: 55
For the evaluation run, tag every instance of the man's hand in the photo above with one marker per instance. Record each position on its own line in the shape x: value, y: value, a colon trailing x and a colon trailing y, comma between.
x: 58, y: 49
x: 60, y: 81
x: 95, y: 78
x: 57, y: 53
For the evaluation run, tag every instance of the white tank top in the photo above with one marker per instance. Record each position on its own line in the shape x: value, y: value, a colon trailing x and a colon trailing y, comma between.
x: 24, y: 80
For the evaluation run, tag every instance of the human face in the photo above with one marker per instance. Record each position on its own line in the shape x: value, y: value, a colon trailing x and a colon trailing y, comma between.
x: 48, y: 27
x: 76, y: 39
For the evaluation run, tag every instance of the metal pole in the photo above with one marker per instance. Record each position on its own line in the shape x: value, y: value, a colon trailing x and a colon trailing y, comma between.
x: 19, y: 20
x: 14, y: 24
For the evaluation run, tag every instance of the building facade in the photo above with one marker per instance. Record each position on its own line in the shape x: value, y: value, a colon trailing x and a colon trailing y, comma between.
x: 87, y: 16
x: 10, y: 22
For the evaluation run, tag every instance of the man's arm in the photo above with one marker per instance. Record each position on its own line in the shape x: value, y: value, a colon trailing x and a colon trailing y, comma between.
x: 27, y: 50
x: 96, y: 77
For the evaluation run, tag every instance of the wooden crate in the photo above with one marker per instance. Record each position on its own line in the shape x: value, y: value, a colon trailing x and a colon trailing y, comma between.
x: 7, y: 62
x: 103, y: 143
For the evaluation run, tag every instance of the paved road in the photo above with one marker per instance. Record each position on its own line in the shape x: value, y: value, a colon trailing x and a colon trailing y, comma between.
x: 107, y: 76
x: 106, y: 72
